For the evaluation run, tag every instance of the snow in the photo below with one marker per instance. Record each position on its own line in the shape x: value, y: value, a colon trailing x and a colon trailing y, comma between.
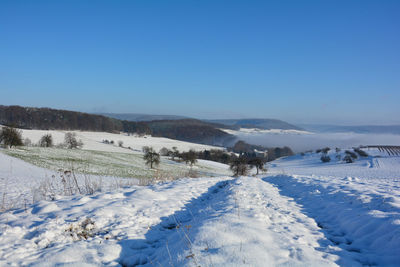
x: 129, y: 165
x: 122, y: 220
x: 378, y: 166
x: 22, y: 183
x: 93, y: 141
x: 246, y: 222
x: 302, y: 213
x: 356, y: 205
x: 359, y: 221
x: 222, y: 221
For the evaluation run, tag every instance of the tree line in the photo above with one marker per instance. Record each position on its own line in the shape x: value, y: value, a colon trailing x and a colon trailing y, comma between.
x: 55, y: 119
x: 240, y: 165
x: 190, y: 130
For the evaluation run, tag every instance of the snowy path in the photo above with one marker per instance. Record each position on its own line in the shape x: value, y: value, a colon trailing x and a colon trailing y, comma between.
x: 249, y: 224
x: 206, y: 222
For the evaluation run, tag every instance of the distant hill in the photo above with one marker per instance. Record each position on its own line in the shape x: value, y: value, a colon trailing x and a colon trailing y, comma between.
x: 56, y: 119
x: 142, y: 117
x: 264, y: 124
x: 179, y: 128
x: 190, y: 130
x: 370, y: 129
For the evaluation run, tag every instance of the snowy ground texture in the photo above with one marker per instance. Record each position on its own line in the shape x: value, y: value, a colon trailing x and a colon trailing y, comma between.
x: 22, y: 183
x: 303, y: 213
x: 94, y: 141
x: 116, y: 164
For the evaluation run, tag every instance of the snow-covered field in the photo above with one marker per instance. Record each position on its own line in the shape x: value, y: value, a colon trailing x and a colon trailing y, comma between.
x: 303, y: 213
x: 128, y: 165
x: 93, y: 141
x: 356, y: 206
x: 22, y: 183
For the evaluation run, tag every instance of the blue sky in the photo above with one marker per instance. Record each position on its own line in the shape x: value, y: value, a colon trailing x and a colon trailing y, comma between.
x: 301, y: 61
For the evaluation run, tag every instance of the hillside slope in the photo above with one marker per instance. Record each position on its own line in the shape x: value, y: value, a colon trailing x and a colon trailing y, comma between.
x: 53, y: 119
x: 294, y: 216
x: 141, y: 117
x: 189, y: 130
x: 264, y: 124
x: 56, y: 119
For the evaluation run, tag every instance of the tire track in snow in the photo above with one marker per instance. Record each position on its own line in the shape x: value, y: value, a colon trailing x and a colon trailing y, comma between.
x: 242, y: 222
x: 259, y: 228
x: 169, y: 243
x: 359, y: 231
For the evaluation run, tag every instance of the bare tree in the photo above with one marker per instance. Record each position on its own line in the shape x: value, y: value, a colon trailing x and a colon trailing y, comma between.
x: 151, y: 157
x: 258, y: 163
x: 239, y: 166
x: 10, y: 137
x: 174, y: 153
x: 189, y: 157
x: 71, y: 141
x: 46, y: 141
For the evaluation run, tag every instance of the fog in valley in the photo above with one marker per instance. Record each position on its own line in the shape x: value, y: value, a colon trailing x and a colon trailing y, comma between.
x: 303, y: 142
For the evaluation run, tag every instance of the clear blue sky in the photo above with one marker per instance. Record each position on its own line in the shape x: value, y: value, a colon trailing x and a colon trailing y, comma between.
x: 301, y: 61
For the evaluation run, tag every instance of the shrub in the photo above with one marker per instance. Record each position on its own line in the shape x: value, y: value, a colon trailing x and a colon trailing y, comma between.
x: 239, y: 166
x: 46, y: 141
x: 120, y: 143
x: 10, y: 137
x: 71, y: 141
x: 325, y: 158
x: 217, y: 155
x: 189, y: 157
x: 348, y: 159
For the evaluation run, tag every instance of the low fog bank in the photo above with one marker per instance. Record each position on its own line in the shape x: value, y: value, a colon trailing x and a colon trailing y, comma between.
x: 304, y: 142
